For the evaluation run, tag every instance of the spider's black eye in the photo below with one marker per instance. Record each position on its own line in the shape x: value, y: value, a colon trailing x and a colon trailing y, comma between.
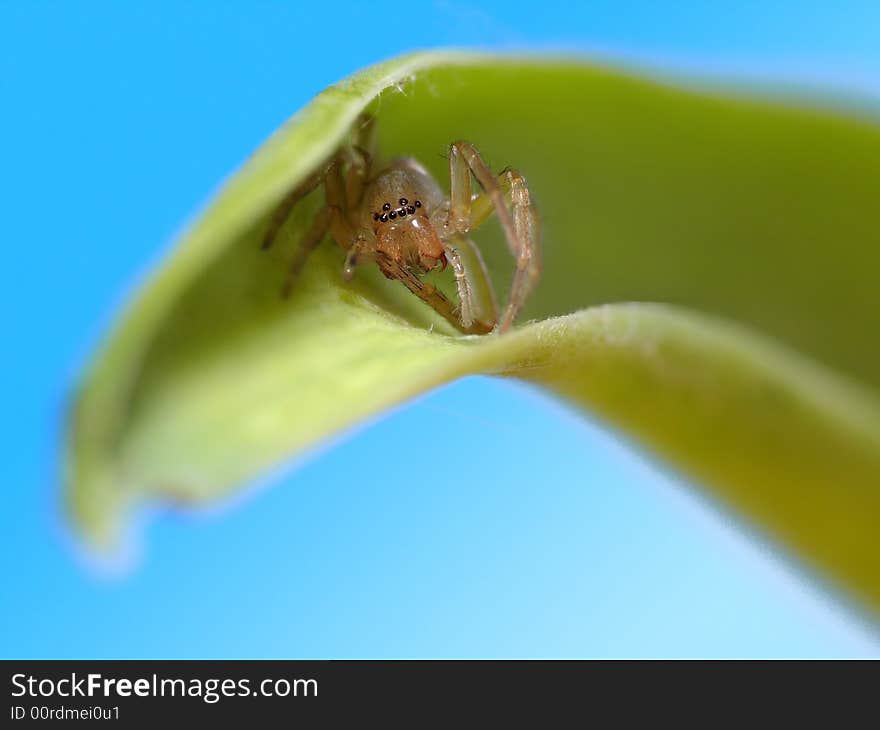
x: 375, y: 216
x: 386, y: 206
x: 418, y: 204
x: 403, y: 201
x: 383, y: 218
x: 402, y: 212
x: 392, y: 215
x: 410, y: 209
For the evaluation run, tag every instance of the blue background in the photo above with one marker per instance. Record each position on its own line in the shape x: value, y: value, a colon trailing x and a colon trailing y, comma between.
x: 554, y: 539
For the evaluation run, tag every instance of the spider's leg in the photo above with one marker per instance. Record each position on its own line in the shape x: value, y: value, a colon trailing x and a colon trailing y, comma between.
x: 360, y: 158
x: 525, y: 223
x: 343, y: 190
x: 472, y: 281
x: 343, y: 230
x: 329, y: 218
x: 520, y: 226
x: 350, y: 239
x: 428, y: 293
x: 313, y: 237
x: 285, y: 207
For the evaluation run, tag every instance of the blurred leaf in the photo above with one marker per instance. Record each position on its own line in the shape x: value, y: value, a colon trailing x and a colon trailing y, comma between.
x: 754, y: 224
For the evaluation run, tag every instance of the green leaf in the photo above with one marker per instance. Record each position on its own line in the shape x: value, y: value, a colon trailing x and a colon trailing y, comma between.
x: 751, y: 225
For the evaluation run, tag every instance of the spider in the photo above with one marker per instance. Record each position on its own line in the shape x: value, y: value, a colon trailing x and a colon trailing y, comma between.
x: 400, y: 219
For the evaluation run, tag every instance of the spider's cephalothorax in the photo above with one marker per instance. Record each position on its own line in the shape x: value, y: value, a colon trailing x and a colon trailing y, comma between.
x: 399, y: 203
x: 400, y: 219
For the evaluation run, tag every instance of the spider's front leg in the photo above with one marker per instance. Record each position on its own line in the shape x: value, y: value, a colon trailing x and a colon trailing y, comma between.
x: 519, y: 221
x: 428, y: 293
x: 475, y: 293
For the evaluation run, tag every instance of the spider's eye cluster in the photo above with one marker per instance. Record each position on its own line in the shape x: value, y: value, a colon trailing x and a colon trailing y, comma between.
x: 406, y: 208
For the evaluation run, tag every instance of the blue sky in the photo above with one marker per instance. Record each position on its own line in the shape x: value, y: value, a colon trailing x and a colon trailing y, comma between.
x: 119, y: 119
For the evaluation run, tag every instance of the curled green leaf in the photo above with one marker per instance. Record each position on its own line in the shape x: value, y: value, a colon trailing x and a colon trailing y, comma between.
x: 751, y: 226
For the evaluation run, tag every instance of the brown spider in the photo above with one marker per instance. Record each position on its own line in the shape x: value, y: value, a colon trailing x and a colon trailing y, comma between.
x: 401, y: 220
